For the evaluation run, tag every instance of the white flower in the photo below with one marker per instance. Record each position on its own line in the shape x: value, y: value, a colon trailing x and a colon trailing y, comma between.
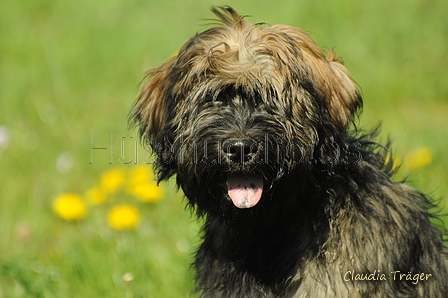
x: 5, y: 137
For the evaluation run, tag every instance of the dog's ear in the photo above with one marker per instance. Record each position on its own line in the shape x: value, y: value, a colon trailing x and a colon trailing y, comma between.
x: 333, y: 81
x: 343, y: 96
x: 151, y: 109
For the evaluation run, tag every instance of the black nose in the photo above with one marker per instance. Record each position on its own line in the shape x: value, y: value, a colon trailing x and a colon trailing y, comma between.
x: 240, y: 151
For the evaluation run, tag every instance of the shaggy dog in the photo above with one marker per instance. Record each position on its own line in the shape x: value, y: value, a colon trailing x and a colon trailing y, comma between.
x: 254, y: 122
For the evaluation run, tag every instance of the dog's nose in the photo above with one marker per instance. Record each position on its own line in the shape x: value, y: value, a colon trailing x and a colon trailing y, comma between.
x: 240, y: 151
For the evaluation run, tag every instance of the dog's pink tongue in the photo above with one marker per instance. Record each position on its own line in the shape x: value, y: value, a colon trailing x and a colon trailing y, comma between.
x: 245, y: 191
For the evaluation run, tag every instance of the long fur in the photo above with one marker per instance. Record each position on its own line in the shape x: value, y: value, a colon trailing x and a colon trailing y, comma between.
x: 329, y: 209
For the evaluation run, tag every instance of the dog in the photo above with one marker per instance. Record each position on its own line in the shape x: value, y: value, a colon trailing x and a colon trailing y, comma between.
x: 256, y: 123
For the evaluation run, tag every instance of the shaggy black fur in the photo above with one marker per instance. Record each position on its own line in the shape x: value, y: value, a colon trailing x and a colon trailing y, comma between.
x: 329, y: 214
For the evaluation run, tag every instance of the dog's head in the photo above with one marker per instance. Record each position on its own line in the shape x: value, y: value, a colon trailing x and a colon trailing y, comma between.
x: 241, y: 105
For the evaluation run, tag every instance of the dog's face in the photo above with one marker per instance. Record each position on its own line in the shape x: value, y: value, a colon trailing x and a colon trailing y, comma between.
x: 240, y: 106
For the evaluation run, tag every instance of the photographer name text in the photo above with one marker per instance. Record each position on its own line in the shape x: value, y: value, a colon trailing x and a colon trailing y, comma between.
x: 415, y: 278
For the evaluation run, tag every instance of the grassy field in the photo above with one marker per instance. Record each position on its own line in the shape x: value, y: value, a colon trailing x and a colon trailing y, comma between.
x: 69, y: 73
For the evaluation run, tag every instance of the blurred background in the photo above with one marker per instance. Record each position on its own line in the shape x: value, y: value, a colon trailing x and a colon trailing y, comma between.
x: 79, y: 214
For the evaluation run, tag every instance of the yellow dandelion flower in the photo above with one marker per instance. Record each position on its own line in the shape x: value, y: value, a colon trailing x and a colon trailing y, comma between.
x: 124, y: 217
x: 113, y: 179
x: 142, y: 185
x: 70, y: 207
x: 95, y: 195
x: 418, y: 158
x: 140, y: 174
x: 147, y: 192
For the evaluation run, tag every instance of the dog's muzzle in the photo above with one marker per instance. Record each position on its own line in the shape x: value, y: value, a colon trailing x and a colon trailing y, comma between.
x: 244, y: 190
x: 240, y: 151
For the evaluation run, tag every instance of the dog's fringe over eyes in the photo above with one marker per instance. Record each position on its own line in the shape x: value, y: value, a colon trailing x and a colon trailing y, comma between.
x: 255, y: 122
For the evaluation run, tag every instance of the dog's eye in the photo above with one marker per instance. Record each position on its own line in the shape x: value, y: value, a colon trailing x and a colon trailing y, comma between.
x: 226, y: 95
x: 221, y: 99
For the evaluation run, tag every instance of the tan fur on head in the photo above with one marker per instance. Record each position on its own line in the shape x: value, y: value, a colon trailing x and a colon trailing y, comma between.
x: 151, y: 108
x: 257, y: 58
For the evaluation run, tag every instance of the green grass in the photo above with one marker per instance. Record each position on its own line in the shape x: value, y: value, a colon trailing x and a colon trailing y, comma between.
x: 70, y: 70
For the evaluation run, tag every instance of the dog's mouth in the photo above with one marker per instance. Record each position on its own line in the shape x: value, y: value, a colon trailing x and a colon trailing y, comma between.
x: 244, y: 190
